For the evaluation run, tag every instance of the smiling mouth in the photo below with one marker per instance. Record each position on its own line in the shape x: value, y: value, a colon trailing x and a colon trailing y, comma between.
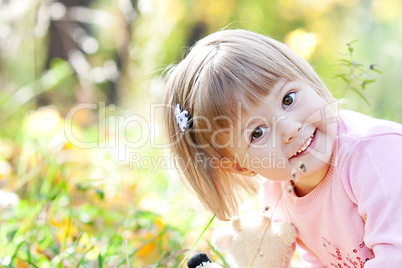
x: 305, y: 145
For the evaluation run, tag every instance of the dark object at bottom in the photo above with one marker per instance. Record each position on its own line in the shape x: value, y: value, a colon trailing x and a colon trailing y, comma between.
x: 197, y: 259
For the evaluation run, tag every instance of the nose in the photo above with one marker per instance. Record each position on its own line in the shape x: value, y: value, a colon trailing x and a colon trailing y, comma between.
x: 288, y: 129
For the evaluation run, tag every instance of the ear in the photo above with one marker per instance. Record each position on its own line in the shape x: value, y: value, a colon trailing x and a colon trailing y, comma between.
x: 234, y: 167
x: 236, y: 224
x: 222, y: 238
x: 265, y: 221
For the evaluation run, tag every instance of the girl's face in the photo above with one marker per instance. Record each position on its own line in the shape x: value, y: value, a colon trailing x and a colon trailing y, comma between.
x: 292, y: 124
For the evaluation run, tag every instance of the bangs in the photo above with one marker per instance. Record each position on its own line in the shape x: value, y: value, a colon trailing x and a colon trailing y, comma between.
x: 233, y: 91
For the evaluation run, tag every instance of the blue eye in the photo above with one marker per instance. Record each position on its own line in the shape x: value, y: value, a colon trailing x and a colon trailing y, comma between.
x: 258, y: 133
x: 288, y: 100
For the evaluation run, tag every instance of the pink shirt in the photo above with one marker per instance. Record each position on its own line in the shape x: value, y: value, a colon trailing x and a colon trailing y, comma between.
x: 353, y: 218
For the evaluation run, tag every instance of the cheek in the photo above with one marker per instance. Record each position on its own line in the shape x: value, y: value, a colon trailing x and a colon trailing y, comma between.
x: 268, y: 163
x: 320, y: 113
x: 329, y: 122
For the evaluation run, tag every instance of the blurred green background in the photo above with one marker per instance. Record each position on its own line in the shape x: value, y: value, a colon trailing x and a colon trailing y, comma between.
x: 85, y: 180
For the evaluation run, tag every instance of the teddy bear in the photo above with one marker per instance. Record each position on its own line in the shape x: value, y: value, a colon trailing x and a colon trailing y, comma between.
x: 252, y: 242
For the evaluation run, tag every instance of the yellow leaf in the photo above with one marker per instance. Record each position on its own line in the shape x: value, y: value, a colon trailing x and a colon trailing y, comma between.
x: 146, y: 250
x: 84, y: 244
x: 21, y: 264
x: 65, y: 230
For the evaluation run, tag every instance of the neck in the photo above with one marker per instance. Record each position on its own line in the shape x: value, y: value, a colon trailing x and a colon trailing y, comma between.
x: 304, y: 185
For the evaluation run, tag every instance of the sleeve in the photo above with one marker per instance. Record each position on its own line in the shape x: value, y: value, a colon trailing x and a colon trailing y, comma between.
x: 374, y: 167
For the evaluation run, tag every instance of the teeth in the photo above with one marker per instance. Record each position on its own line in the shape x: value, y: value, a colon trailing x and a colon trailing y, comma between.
x: 307, y: 144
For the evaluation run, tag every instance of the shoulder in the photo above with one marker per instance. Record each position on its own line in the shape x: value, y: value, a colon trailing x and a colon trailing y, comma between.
x: 369, y: 152
x: 269, y: 190
x: 358, y: 133
x: 362, y: 126
x: 270, y: 193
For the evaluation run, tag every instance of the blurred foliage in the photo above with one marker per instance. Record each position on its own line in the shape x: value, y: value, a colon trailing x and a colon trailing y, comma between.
x: 84, y: 181
x: 357, y: 77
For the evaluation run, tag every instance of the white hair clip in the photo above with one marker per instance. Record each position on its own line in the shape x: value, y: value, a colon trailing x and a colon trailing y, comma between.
x: 181, y: 118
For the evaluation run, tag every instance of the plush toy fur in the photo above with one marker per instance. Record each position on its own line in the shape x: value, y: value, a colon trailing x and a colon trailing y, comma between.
x: 254, y: 243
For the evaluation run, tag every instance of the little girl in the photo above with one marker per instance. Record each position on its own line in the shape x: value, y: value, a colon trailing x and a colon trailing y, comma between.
x: 243, y: 109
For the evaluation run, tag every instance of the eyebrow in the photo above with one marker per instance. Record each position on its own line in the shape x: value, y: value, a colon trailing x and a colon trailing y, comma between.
x: 280, y: 90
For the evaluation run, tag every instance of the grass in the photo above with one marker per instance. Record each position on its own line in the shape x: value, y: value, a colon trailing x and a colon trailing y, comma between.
x: 83, y: 208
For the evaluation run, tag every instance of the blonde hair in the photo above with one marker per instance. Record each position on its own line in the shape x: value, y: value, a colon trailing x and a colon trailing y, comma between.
x: 220, y: 71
